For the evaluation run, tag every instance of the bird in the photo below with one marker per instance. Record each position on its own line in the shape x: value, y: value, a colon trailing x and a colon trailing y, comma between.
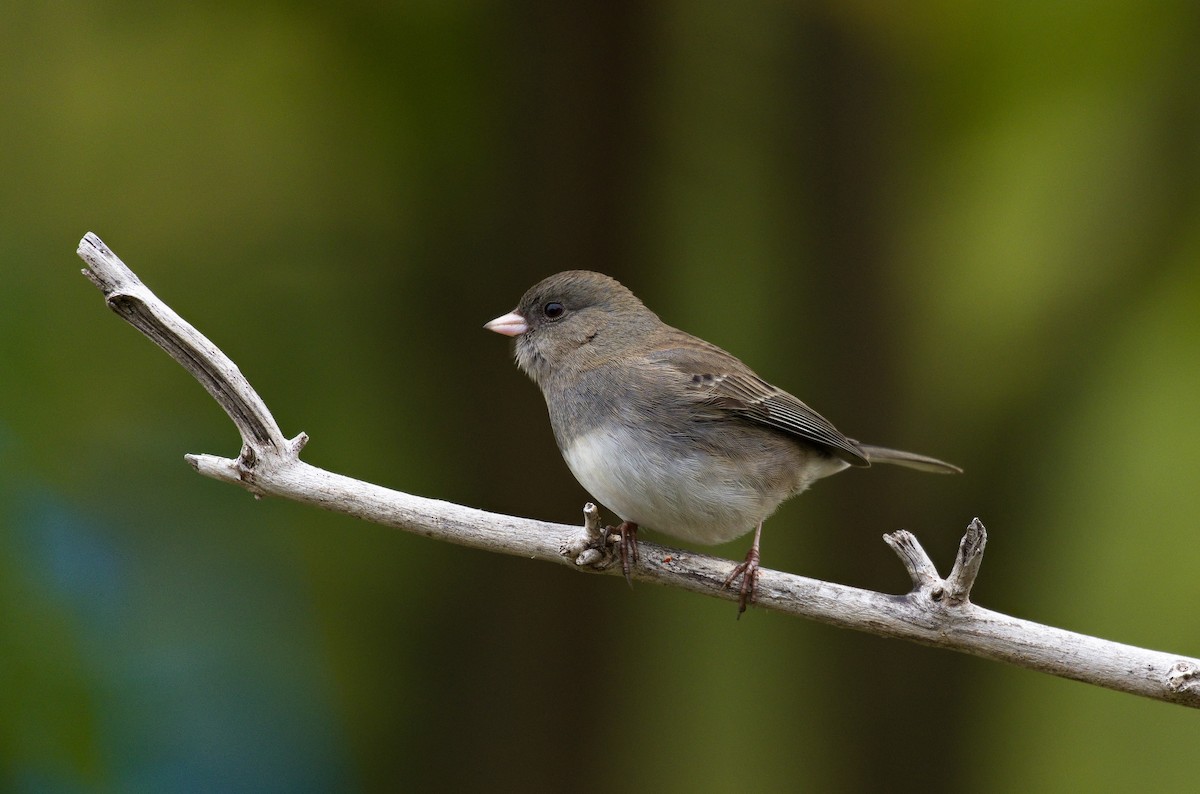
x: 668, y: 431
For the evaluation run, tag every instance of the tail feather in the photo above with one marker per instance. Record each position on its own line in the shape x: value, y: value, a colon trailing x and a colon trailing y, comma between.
x: 909, y: 460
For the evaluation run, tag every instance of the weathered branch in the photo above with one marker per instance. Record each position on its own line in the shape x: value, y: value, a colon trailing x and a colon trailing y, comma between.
x: 936, y: 612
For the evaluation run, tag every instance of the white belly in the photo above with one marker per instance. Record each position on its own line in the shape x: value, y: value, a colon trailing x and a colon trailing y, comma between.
x: 696, y: 497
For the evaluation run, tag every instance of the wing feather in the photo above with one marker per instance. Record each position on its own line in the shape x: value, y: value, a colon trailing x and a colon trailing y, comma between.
x: 722, y: 382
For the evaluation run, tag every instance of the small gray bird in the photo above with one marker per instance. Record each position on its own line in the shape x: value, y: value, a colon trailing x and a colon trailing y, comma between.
x: 667, y: 430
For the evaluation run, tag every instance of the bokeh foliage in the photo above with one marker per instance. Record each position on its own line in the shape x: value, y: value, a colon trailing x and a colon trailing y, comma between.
x: 969, y: 229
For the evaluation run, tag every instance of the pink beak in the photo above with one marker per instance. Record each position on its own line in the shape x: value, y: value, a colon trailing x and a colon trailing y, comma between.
x: 511, y: 324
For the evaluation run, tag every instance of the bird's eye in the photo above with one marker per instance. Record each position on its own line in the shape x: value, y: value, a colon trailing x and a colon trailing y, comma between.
x: 553, y: 310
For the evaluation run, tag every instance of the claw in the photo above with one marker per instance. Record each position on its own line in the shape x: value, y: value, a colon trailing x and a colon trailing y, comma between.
x: 629, y: 548
x: 748, y: 571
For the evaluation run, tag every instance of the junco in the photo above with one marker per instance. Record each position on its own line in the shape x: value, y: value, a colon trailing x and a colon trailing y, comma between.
x: 667, y: 430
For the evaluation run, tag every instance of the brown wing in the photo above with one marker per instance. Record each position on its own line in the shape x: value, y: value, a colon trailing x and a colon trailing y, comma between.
x: 725, y: 383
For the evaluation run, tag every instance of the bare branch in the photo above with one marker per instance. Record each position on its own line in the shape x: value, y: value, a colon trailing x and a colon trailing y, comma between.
x: 128, y: 297
x: 966, y: 564
x: 920, y: 568
x: 936, y: 612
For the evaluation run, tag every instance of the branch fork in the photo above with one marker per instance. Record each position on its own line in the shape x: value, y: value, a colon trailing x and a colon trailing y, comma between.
x: 936, y: 612
x: 955, y: 590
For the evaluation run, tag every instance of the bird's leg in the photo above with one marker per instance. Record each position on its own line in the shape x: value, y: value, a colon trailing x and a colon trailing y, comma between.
x: 748, y: 570
x: 629, y: 548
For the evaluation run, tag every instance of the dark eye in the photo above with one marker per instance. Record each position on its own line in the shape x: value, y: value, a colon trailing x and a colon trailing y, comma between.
x: 553, y: 310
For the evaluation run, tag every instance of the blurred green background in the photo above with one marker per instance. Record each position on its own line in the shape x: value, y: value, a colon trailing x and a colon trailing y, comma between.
x: 968, y: 229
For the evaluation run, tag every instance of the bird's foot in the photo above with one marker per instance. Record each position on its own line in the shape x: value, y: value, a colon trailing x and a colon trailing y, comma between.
x: 748, y: 571
x: 628, y: 546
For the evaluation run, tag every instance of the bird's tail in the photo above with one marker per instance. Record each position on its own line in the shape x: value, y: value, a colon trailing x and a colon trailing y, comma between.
x: 909, y: 460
